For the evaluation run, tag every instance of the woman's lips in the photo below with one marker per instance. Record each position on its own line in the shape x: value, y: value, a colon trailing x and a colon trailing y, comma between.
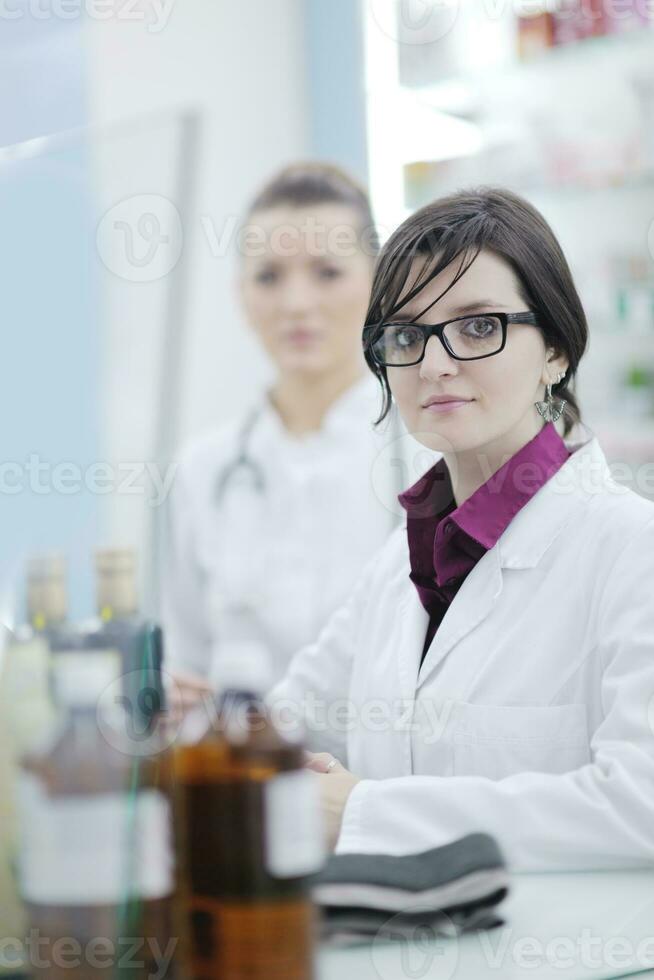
x: 439, y: 407
x: 301, y: 338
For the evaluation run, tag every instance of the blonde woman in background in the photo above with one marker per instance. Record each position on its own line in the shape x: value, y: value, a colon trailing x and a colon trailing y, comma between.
x: 274, y: 515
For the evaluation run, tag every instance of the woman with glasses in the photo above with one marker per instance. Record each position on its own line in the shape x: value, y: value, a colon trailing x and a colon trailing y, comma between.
x: 274, y: 515
x: 494, y: 666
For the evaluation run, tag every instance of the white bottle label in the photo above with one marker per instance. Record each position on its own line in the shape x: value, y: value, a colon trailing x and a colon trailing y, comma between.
x: 294, y: 843
x: 92, y: 850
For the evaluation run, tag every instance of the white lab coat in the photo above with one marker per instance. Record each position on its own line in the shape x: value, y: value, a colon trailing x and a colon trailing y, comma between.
x: 270, y: 567
x: 532, y: 715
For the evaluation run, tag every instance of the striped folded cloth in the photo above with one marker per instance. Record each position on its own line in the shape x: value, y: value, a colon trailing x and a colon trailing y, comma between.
x: 449, y: 889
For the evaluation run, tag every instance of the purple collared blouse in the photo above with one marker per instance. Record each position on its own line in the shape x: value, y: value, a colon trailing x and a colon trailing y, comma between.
x: 446, y: 541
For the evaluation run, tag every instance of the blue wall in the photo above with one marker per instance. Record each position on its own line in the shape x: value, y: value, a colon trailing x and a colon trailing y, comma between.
x: 335, y: 68
x: 48, y: 395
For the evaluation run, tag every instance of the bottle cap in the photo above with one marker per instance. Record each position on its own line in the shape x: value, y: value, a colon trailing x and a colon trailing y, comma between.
x: 116, y: 593
x: 241, y: 660
x: 46, y: 590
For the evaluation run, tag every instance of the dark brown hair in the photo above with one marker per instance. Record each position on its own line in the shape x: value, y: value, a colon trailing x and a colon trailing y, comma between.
x: 457, y: 227
x: 312, y: 182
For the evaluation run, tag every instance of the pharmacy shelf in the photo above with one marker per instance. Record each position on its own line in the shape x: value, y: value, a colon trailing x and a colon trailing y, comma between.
x: 464, y: 93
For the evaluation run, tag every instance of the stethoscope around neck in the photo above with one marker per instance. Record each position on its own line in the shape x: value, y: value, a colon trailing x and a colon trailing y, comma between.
x: 244, y: 464
x: 243, y: 461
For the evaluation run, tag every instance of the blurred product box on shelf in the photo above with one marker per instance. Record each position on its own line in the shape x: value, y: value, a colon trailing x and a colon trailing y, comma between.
x: 637, y: 392
x: 535, y: 34
x: 577, y: 20
x: 626, y: 15
x: 633, y: 284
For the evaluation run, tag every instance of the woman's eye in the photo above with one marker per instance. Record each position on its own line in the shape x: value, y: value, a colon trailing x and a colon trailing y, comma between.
x: 266, y: 276
x: 405, y: 336
x: 329, y: 272
x: 479, y: 326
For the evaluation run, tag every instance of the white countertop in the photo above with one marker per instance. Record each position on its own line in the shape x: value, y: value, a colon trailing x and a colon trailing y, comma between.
x: 566, y: 926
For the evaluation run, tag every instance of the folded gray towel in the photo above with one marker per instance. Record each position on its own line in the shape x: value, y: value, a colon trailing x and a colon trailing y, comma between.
x: 450, y: 888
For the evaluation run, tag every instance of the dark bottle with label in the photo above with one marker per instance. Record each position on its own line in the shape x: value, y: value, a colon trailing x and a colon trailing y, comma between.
x: 136, y: 642
x: 95, y: 867
x: 249, y: 837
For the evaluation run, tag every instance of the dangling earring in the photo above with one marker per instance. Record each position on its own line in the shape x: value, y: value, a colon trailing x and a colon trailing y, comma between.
x: 552, y: 408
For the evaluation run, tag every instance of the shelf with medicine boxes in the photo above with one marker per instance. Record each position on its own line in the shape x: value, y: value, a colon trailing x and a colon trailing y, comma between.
x: 549, y: 124
x: 460, y: 82
x: 615, y: 389
x: 474, y: 102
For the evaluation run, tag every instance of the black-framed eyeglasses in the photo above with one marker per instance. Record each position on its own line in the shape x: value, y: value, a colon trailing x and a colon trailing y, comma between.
x: 465, y: 338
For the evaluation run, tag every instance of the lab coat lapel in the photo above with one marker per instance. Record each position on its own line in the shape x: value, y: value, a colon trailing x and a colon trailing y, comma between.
x: 470, y: 606
x: 522, y: 545
x: 413, y: 619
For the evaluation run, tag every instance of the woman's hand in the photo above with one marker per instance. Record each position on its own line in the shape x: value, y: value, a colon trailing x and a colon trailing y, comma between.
x: 336, y: 784
x: 185, y: 691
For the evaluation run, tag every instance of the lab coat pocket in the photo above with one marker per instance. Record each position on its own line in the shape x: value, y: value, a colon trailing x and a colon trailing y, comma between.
x: 497, y: 741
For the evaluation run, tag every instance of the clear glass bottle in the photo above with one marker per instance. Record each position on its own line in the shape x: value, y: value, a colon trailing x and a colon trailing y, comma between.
x: 26, y: 718
x: 11, y: 910
x: 47, y: 594
x: 25, y: 699
x: 95, y: 866
x: 248, y: 837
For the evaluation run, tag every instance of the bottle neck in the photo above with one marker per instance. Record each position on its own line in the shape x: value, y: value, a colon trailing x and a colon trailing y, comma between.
x: 116, y: 597
x: 116, y: 613
x: 44, y: 625
x: 241, y: 713
x: 238, y: 694
x: 46, y: 605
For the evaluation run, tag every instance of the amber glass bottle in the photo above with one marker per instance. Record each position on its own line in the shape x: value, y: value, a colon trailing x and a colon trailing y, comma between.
x: 95, y: 866
x: 248, y: 838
